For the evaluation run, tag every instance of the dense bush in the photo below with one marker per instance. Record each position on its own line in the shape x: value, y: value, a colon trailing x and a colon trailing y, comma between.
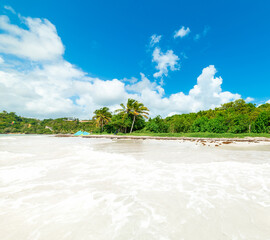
x: 157, y: 125
x: 201, y: 124
x: 262, y: 123
x: 232, y: 117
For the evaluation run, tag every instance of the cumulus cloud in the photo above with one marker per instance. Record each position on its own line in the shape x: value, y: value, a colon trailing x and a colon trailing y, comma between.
x: 249, y: 99
x: 40, y: 83
x: 144, y: 83
x: 165, y: 61
x: 37, y: 43
x: 57, y: 90
x: 207, y: 93
x: 155, y: 39
x: 182, y: 32
x: 130, y: 80
x: 43, y: 84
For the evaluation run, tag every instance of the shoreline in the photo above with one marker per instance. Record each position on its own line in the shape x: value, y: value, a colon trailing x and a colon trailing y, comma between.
x: 192, y: 139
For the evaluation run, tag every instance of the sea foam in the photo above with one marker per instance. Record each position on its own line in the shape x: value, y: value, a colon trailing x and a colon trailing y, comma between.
x: 75, y: 188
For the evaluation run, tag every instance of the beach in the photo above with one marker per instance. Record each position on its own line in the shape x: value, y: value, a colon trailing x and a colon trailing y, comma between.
x: 193, y: 139
x: 133, y: 188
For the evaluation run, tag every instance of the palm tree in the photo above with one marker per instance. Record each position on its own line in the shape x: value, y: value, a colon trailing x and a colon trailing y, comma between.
x: 102, y: 117
x: 126, y: 110
x: 134, y: 108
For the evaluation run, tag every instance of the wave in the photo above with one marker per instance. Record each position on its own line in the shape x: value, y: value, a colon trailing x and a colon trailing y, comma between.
x: 80, y: 189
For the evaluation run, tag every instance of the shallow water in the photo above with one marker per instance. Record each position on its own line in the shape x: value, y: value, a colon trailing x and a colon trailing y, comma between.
x: 75, y: 188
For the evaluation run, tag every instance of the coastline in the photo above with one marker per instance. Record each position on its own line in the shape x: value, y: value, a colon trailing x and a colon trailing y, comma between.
x: 193, y: 139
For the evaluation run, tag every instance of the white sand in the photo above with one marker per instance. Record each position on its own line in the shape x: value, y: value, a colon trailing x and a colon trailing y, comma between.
x: 76, y: 188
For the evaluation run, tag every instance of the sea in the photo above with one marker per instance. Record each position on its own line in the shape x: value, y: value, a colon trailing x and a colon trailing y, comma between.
x: 75, y: 188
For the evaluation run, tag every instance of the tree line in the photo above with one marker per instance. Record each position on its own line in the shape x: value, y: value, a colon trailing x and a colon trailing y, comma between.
x: 232, y: 117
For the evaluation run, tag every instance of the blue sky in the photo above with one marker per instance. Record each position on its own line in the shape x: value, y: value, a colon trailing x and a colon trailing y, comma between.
x: 111, y: 40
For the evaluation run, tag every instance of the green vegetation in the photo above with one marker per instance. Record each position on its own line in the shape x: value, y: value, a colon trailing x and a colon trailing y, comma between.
x: 11, y: 123
x: 102, y: 117
x: 233, y: 119
x: 201, y: 135
x: 134, y: 109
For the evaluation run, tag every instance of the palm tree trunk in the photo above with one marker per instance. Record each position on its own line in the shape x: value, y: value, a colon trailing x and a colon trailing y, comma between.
x: 132, y: 123
x: 102, y: 126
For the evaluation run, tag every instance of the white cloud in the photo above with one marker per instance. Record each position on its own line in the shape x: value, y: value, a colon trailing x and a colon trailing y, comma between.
x: 182, y: 32
x: 57, y: 88
x: 155, y: 39
x: 49, y: 86
x: 145, y: 83
x: 9, y: 8
x: 40, y: 94
x: 129, y: 80
x: 37, y: 43
x: 164, y: 62
x: 108, y: 92
x: 207, y: 93
x: 268, y: 101
x: 1, y: 60
x: 249, y: 99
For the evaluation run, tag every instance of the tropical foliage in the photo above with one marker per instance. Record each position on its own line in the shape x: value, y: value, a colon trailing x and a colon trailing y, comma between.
x: 102, y: 117
x: 133, y: 108
x: 11, y: 123
x: 236, y: 117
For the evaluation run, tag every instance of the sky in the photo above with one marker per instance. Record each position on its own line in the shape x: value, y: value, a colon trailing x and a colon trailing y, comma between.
x: 68, y: 58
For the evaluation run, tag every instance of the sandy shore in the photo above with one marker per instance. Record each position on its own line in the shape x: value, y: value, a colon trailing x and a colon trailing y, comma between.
x: 97, y: 188
x: 204, y: 141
